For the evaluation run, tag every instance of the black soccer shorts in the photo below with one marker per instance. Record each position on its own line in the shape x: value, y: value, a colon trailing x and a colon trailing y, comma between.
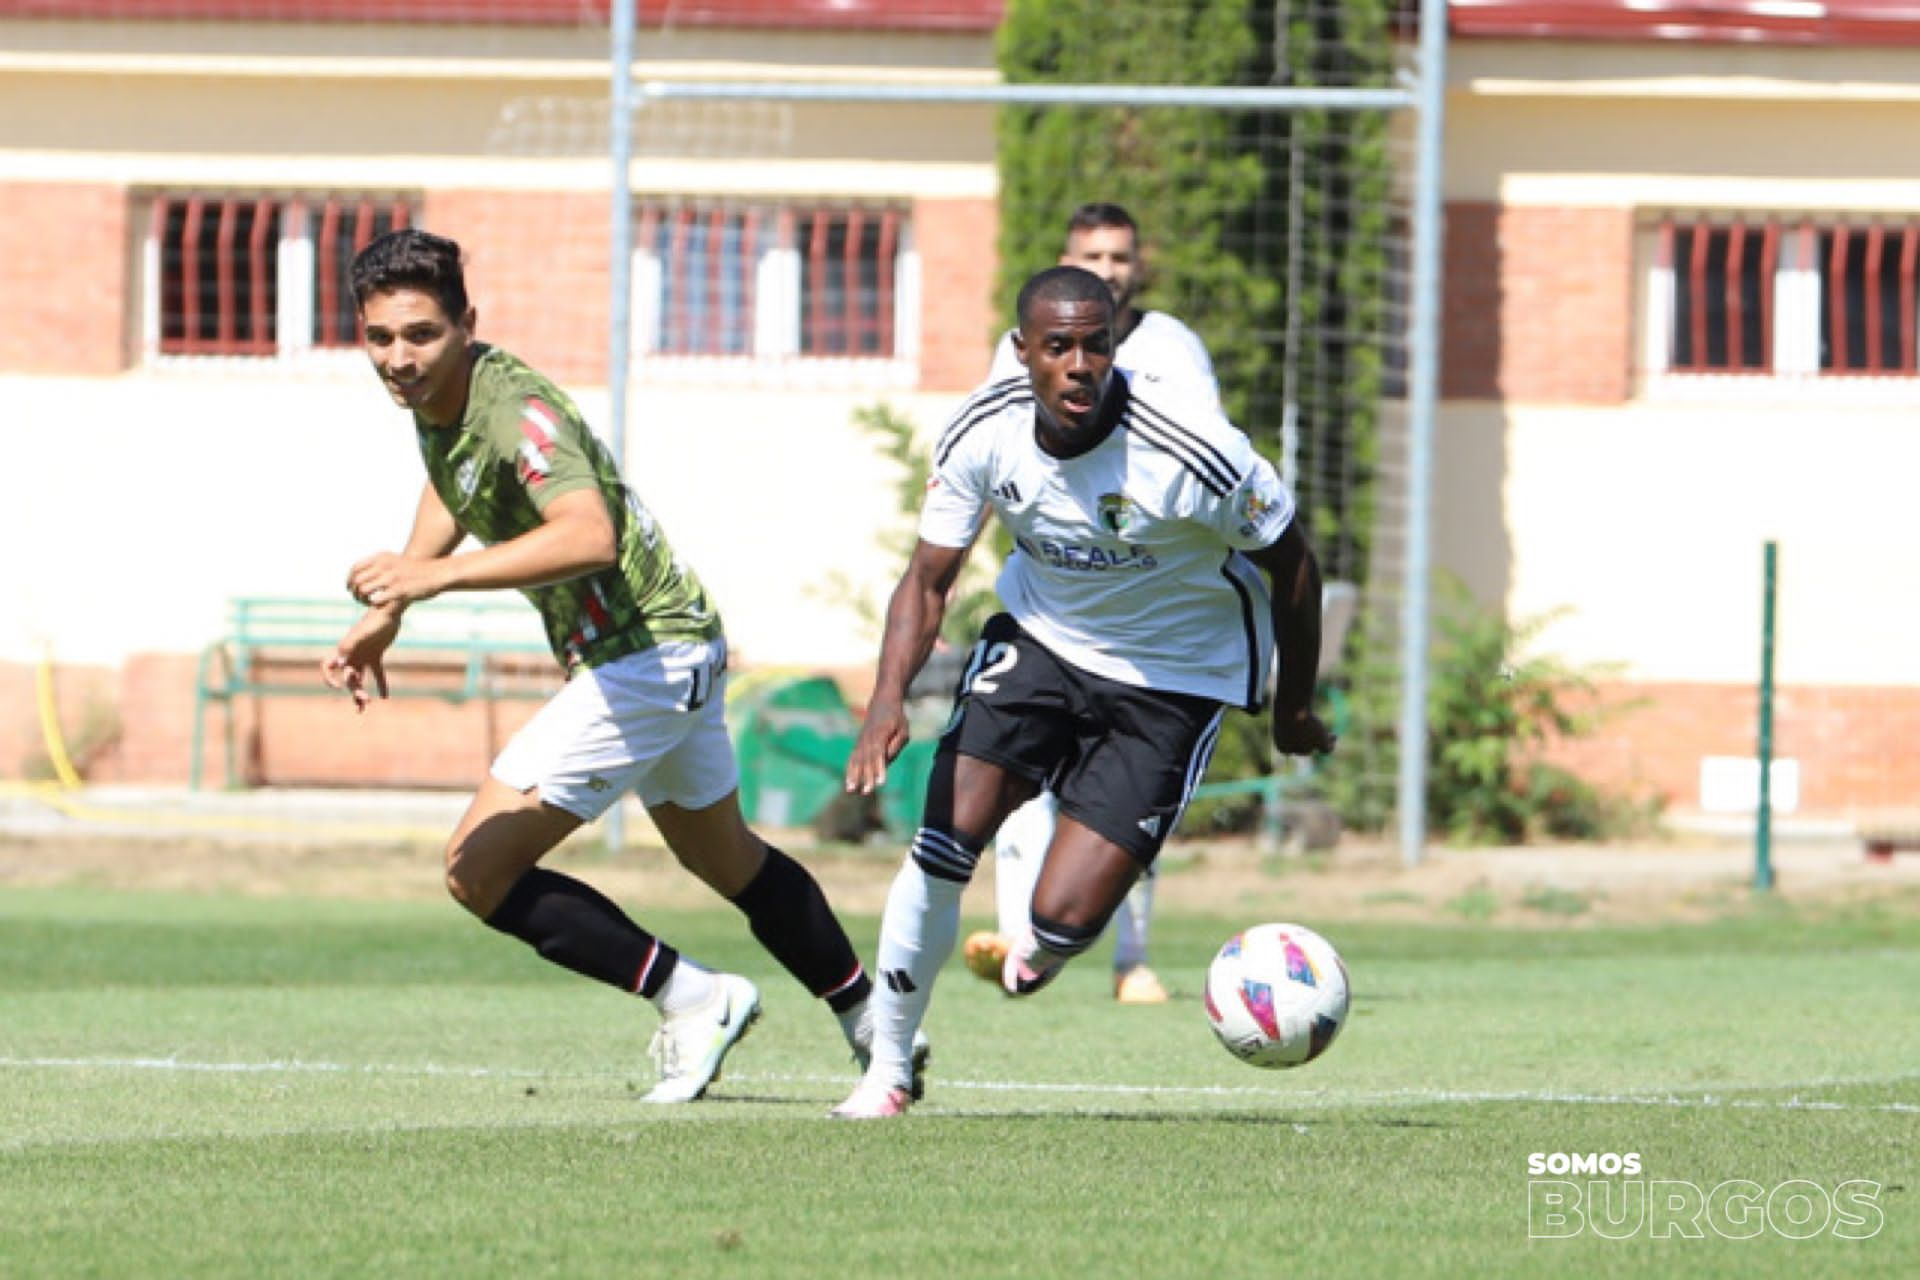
x: 1123, y: 760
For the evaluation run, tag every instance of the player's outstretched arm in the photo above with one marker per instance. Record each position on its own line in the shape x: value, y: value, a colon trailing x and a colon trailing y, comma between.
x: 575, y: 537
x: 359, y: 658
x: 434, y: 535
x: 1294, y: 574
x: 914, y: 614
x: 435, y: 532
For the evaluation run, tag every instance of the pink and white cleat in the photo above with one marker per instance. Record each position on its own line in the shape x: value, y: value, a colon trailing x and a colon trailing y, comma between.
x: 870, y: 1101
x: 1019, y: 977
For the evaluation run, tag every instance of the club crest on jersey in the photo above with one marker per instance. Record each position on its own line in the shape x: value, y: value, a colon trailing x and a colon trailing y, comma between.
x: 1116, y: 512
x: 1254, y: 507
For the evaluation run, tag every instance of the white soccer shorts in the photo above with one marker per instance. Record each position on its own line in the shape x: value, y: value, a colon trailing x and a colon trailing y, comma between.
x: 653, y: 723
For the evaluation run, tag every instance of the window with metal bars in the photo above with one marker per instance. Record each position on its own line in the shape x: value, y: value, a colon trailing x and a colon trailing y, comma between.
x: 233, y: 275
x: 769, y: 281
x: 846, y: 282
x: 1788, y: 295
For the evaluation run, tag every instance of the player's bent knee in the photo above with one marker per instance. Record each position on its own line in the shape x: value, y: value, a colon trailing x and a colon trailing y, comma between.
x: 459, y: 890
x: 946, y: 855
x: 476, y: 886
x: 463, y: 890
x: 1063, y: 938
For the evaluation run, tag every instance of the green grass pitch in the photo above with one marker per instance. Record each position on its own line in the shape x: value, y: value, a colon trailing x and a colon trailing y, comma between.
x: 277, y: 1087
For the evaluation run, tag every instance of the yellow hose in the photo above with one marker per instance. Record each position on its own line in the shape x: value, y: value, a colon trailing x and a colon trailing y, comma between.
x: 50, y: 734
x: 68, y: 779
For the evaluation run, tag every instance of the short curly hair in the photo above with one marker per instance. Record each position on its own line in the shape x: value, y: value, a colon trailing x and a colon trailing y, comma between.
x: 1063, y: 284
x: 410, y: 258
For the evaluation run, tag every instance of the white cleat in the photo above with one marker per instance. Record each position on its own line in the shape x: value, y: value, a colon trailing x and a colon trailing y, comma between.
x: 690, y: 1046
x: 922, y: 1054
x: 870, y: 1101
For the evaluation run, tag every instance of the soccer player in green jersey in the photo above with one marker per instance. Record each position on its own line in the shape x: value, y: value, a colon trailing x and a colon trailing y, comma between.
x: 510, y: 462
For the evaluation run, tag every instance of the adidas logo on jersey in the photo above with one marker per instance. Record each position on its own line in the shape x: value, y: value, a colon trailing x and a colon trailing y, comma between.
x: 1008, y: 492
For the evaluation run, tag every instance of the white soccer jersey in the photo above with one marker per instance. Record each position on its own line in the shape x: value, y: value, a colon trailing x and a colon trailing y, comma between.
x: 1159, y: 347
x: 1127, y: 560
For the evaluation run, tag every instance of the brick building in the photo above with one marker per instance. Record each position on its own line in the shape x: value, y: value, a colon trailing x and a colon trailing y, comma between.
x: 1679, y: 322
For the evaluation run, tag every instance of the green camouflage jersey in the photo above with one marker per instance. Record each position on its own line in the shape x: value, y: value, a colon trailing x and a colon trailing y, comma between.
x: 521, y: 444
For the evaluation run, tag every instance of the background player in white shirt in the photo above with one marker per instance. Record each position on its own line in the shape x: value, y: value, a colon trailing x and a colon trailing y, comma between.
x: 1104, y: 239
x: 1136, y: 614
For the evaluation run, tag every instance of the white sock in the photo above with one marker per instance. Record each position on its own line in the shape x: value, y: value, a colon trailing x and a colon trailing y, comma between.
x: 850, y: 1021
x: 1130, y: 924
x: 688, y: 987
x: 917, y: 934
x: 1019, y: 851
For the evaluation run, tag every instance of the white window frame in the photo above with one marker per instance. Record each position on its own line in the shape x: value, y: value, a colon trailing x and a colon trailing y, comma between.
x: 775, y: 358
x: 1799, y: 311
x: 296, y: 306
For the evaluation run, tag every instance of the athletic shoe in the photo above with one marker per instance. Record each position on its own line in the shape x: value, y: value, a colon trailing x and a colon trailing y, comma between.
x: 985, y: 952
x: 1139, y: 985
x: 1018, y: 977
x: 870, y: 1101
x: 922, y: 1054
x: 689, y: 1046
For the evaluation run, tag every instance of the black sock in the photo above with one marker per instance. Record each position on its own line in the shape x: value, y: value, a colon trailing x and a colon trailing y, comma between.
x: 576, y: 927
x: 790, y: 916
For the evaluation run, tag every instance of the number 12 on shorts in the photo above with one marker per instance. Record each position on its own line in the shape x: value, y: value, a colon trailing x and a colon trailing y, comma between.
x: 989, y: 660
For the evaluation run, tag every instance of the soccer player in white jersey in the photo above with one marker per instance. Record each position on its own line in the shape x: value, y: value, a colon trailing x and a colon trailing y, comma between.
x: 1105, y: 240
x: 1143, y: 523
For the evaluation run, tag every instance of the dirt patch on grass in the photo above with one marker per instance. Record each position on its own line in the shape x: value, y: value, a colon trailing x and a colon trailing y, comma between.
x: 1571, y: 886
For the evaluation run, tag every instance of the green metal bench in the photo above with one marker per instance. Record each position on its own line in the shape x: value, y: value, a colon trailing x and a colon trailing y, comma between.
x: 460, y: 651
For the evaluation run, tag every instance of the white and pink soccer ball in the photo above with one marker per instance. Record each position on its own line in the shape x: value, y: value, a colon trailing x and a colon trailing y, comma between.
x: 1277, y: 995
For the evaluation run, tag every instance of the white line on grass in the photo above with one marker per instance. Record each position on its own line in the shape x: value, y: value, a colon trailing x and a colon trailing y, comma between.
x: 1715, y: 1096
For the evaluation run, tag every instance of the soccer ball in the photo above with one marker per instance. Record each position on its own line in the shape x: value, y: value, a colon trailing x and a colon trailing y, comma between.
x: 1277, y: 995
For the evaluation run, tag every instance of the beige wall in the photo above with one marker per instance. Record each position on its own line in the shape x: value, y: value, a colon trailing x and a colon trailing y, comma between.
x: 1647, y: 521
x: 178, y: 491
x: 1592, y: 124
x: 1647, y: 515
